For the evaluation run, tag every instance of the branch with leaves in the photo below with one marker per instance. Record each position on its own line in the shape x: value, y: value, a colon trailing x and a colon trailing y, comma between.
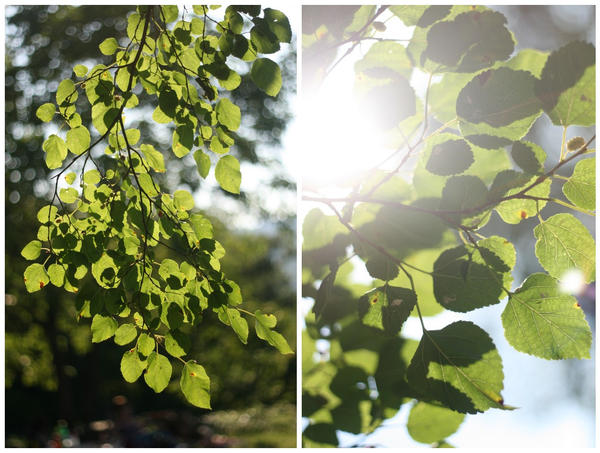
x: 106, y: 242
x: 416, y: 220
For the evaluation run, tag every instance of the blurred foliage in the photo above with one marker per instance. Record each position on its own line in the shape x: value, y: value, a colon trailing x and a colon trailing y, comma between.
x: 52, y: 370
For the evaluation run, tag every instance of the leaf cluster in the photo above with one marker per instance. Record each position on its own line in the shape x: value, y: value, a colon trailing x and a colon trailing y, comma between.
x: 421, y: 241
x: 103, y: 234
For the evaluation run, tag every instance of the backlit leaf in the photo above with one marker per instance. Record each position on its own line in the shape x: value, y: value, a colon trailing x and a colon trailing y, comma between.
x: 154, y: 157
x: 56, y: 151
x: 158, y: 373
x: 567, y: 85
x: 460, y: 367
x: 266, y: 74
x: 429, y: 422
x: 131, y: 366
x: 580, y: 189
x: 32, y: 250
x: 263, y: 325
x: 541, y: 321
x: 126, y: 333
x: 103, y: 327
x: 228, y: 114
x: 45, y: 112
x: 386, y: 308
x: 227, y: 172
x: 195, y: 385
x: 466, y: 278
x: 563, y: 243
x: 109, y: 46
x: 35, y: 277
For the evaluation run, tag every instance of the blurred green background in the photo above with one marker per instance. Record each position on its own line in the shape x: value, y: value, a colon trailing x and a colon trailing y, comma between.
x: 60, y: 389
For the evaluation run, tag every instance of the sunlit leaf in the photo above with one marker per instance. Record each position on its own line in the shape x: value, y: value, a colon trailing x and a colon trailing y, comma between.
x: 103, y: 327
x: 460, y: 367
x: 541, y: 321
x: 158, y: 373
x: 567, y: 85
x: 45, y: 112
x: 266, y: 74
x: 56, y: 151
x: 227, y: 173
x: 195, y: 385
x: 580, y: 188
x: 429, y: 423
x: 563, y: 243
x: 264, y: 325
x: 35, y: 277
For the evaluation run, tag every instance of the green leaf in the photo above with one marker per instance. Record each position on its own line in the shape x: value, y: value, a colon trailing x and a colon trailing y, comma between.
x: 146, y: 184
x: 70, y: 177
x: 580, y: 189
x: 103, y: 327
x: 69, y: 195
x: 382, y: 57
x: 466, y: 278
x: 499, y: 103
x: 567, y: 87
x: 381, y: 267
x: 109, y: 46
x: 563, y: 243
x: 460, y: 367
x: 145, y: 344
x: 195, y: 385
x: 92, y: 177
x: 80, y: 70
x: 514, y: 211
x: 279, y: 24
x: 126, y: 333
x: 464, y: 193
x: 78, y: 140
x: 263, y: 325
x: 105, y: 271
x: 201, y: 226
x: 183, y: 200
x: 177, y: 343
x: 56, y: 272
x: 227, y: 172
x: 262, y: 38
x: 529, y: 156
x: 472, y: 41
x: 56, y: 151
x: 541, y: 321
x: 232, y: 317
x: 409, y: 14
x: 429, y: 423
x: 35, y: 277
x: 159, y: 372
x: 45, y: 112
x: 47, y: 214
x: 154, y: 157
x: 183, y: 140
x: 386, y: 308
x: 66, y: 93
x: 319, y: 435
x: 32, y: 250
x: 168, y: 102
x: 266, y: 74
x: 450, y: 158
x: 131, y: 366
x: 170, y: 13
x: 228, y: 114
x: 202, y: 162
